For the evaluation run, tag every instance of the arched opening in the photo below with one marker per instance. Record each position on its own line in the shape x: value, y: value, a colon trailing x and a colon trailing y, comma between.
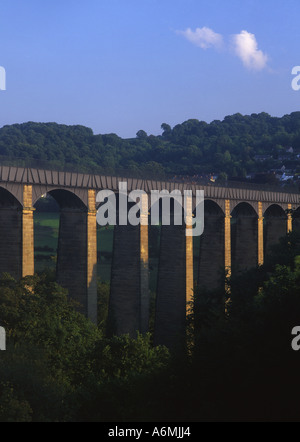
x: 46, y: 229
x: 275, y: 226
x: 68, y: 230
x: 244, y: 238
x: 211, y: 253
x: 10, y: 234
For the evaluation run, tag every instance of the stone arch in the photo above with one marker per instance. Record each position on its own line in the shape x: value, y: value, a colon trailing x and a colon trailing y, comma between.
x: 73, y: 195
x: 275, y: 226
x: 243, y: 209
x: 244, y: 238
x: 8, y: 199
x: 212, y: 207
x: 275, y: 210
x: 66, y: 199
x: 242, y: 206
x: 12, y: 193
x: 212, y: 244
x: 11, y: 221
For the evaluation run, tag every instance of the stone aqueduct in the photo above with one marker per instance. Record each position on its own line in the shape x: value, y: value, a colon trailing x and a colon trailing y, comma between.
x: 240, y: 227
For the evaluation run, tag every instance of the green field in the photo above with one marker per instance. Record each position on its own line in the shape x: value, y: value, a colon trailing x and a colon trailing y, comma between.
x: 46, y: 226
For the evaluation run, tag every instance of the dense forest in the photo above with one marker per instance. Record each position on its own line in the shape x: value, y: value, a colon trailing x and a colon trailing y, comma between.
x: 235, y: 147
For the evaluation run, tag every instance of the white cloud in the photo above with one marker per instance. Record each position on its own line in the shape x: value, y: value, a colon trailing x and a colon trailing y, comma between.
x: 203, y: 37
x: 244, y: 44
x: 246, y: 48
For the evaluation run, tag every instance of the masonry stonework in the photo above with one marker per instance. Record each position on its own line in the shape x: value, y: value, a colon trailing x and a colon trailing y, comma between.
x: 130, y: 242
x: 171, y: 301
x: 247, y: 223
x: 27, y: 233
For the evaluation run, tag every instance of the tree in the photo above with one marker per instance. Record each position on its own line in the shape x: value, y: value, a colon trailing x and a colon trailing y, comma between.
x: 37, y: 313
x: 141, y: 134
x: 166, y: 130
x: 57, y: 360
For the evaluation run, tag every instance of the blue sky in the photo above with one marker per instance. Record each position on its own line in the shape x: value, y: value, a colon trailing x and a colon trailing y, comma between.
x: 124, y: 65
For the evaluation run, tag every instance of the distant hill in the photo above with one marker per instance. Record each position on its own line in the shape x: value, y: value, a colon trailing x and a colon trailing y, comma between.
x: 237, y: 146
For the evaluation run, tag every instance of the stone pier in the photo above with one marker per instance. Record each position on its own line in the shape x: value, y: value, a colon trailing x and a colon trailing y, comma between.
x: 27, y: 233
x: 175, y: 286
x: 129, y: 297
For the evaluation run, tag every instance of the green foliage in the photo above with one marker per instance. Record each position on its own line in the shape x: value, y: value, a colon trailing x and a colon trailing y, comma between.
x: 58, y: 367
x: 120, y: 357
x: 103, y: 290
x: 193, y: 147
x: 141, y: 134
x: 240, y: 366
x: 13, y: 409
x: 56, y: 360
x: 31, y: 389
x: 242, y: 360
x: 36, y: 313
